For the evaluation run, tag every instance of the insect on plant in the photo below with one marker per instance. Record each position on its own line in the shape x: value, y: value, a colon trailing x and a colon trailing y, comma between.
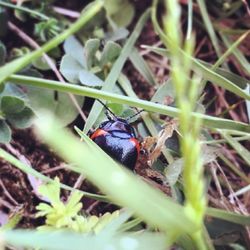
x: 117, y: 138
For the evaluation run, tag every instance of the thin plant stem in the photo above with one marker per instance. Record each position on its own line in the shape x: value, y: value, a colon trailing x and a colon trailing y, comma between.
x: 208, y: 121
x: 24, y: 9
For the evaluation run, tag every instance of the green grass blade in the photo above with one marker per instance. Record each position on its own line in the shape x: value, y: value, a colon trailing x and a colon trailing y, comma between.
x: 190, y: 19
x: 228, y: 216
x: 18, y: 64
x: 141, y: 65
x: 209, y: 121
x: 232, y: 49
x: 116, y: 70
x: 130, y: 224
x: 236, y: 79
x: 234, y: 168
x: 209, y: 26
x: 220, y: 77
x: 65, y: 240
x: 120, y: 184
x: 13, y: 221
x: 201, y: 69
x: 236, y: 52
x: 241, y: 150
x: 29, y: 170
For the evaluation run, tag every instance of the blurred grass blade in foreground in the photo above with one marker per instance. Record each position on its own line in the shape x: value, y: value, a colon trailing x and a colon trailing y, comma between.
x: 119, y: 183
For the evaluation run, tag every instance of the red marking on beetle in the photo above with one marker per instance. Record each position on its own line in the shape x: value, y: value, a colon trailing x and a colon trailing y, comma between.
x: 97, y: 133
x: 136, y: 143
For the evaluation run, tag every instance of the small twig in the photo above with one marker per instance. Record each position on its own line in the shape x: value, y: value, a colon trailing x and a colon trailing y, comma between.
x: 6, y: 192
x: 50, y: 170
x: 217, y: 203
x: 200, y: 45
x: 148, y: 50
x: 159, y: 61
x: 247, y: 6
x: 216, y: 181
x: 238, y: 207
x: 225, y: 104
x: 66, y: 12
x: 24, y: 160
x: 92, y: 206
x: 79, y: 181
x: 6, y: 204
x: 77, y: 184
x: 233, y: 198
x: 226, y: 152
x: 21, y: 157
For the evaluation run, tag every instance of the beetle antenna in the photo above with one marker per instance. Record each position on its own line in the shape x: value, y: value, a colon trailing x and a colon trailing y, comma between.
x: 132, y: 116
x: 109, y: 111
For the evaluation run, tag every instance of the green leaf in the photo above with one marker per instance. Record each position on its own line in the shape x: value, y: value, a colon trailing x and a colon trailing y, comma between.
x: 117, y: 34
x: 12, y: 104
x: 165, y: 90
x: 73, y: 48
x: 141, y: 65
x: 110, y: 53
x: 58, y: 214
x: 20, y: 15
x: 116, y: 70
x: 70, y: 68
x: 118, y: 109
x: 59, y: 104
x: 5, y: 132
x: 120, y: 11
x: 22, y: 119
x: 41, y: 64
x: 89, y: 79
x: 2, y: 53
x: 13, y: 90
x: 228, y: 216
x: 173, y: 171
x: 90, y: 49
x: 51, y: 191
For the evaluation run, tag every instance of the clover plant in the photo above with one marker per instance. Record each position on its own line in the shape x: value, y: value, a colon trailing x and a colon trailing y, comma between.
x: 15, y: 112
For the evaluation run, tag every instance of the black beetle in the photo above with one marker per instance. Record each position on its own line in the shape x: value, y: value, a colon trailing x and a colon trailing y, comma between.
x: 117, y: 138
